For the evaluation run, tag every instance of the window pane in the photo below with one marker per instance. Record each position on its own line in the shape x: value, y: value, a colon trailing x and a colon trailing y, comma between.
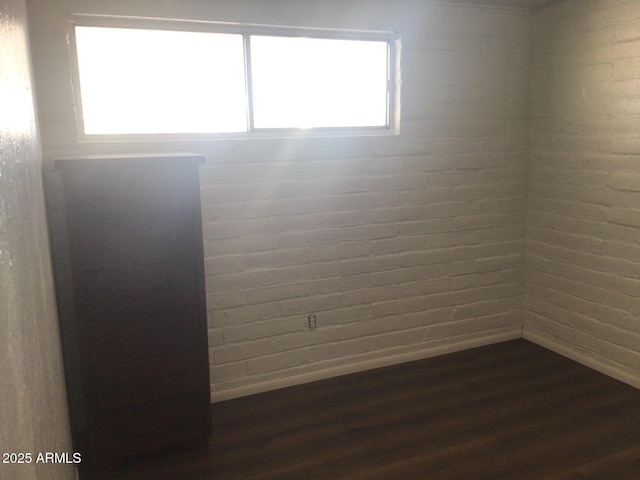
x: 311, y: 82
x: 158, y: 81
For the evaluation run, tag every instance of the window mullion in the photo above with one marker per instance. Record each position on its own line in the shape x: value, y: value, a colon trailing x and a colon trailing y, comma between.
x: 248, y: 80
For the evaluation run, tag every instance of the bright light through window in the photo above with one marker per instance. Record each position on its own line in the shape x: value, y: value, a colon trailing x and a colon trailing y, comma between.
x: 159, y: 81
x: 136, y: 81
x: 312, y: 82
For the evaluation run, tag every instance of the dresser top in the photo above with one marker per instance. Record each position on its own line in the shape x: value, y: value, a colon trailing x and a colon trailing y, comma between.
x: 117, y: 158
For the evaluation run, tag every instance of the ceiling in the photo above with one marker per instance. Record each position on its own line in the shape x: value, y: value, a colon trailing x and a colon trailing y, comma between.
x: 527, y: 3
x: 533, y: 4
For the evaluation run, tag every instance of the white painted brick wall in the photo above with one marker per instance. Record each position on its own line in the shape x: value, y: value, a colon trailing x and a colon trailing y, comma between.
x: 583, y: 259
x: 403, y: 246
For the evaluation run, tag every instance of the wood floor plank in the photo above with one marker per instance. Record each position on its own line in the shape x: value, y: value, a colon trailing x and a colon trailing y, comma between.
x: 510, y: 411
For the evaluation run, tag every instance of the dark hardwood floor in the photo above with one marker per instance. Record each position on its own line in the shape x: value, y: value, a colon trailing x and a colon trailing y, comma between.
x: 511, y: 411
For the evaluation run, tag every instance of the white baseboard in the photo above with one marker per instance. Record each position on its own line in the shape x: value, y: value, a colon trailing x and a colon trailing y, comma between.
x: 360, y: 366
x: 580, y: 357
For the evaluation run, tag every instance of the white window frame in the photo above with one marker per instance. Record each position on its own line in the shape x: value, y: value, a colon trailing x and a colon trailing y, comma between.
x: 246, y: 30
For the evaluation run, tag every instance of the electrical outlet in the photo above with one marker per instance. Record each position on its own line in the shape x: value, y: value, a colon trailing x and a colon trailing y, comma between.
x: 312, y: 321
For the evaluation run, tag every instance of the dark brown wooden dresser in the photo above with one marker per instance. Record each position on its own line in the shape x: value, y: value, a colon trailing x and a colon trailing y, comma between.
x: 135, y: 334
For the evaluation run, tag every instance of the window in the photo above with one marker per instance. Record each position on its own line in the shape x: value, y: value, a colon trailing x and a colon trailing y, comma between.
x: 311, y: 82
x: 142, y: 82
x: 154, y: 81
